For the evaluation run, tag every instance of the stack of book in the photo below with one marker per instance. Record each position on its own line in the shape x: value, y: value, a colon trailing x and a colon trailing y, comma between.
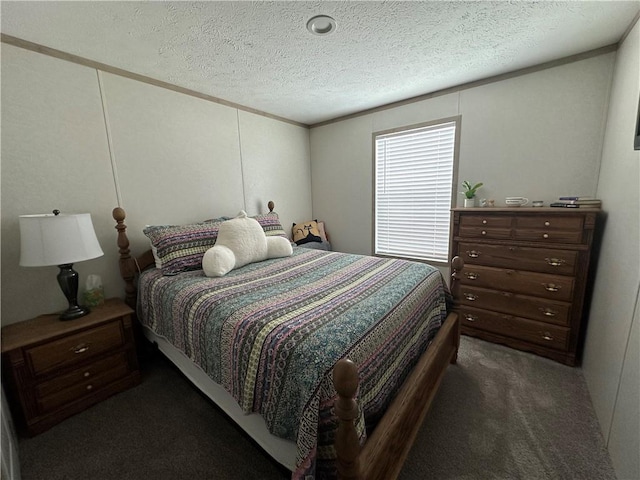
x: 577, y: 202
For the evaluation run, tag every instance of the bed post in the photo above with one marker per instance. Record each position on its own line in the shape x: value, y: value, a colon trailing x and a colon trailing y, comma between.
x: 457, y: 264
x: 127, y: 263
x: 347, y: 445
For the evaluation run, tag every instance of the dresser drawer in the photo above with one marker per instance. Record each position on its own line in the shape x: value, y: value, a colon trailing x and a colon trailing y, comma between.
x: 550, y: 222
x: 486, y: 221
x: 515, y: 304
x: 75, y: 348
x: 486, y: 232
x: 562, y: 262
x: 83, y: 389
x: 555, y: 287
x: 540, y: 333
x: 551, y: 236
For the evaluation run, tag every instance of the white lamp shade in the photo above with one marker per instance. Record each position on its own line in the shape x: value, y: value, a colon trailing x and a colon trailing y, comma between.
x: 57, y: 239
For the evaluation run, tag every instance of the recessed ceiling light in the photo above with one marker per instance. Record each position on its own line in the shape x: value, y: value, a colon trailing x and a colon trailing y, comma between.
x: 321, y: 25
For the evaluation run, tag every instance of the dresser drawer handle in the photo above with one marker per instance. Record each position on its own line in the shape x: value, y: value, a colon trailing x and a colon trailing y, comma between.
x: 78, y: 349
x: 547, y: 223
x: 471, y: 297
x: 545, y: 235
x: 470, y: 318
x: 547, y: 336
x: 547, y: 312
x: 86, y: 374
x: 551, y: 287
x: 473, y: 253
x: 89, y: 387
x: 484, y: 232
x: 484, y: 222
x: 555, y: 262
x: 472, y: 275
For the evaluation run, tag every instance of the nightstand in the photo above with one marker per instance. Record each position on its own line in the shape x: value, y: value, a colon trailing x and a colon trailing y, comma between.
x: 53, y: 369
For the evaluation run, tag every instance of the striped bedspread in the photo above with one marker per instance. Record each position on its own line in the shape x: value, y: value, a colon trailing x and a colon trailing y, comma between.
x: 270, y: 333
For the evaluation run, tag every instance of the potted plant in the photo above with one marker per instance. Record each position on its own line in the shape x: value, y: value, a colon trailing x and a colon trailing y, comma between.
x: 470, y: 193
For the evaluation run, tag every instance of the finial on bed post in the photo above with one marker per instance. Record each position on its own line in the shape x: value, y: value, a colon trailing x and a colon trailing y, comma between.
x: 127, y: 264
x: 347, y: 444
x: 457, y: 264
x: 271, y: 206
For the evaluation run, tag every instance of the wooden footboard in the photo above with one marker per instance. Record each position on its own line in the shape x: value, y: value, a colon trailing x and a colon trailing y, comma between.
x: 385, y: 451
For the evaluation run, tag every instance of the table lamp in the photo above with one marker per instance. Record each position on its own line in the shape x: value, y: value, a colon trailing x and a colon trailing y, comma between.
x: 60, y: 239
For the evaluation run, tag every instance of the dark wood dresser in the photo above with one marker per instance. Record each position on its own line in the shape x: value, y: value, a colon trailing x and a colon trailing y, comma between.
x: 526, y: 276
x: 53, y: 369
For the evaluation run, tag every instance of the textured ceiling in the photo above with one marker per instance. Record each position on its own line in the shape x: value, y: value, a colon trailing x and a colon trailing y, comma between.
x: 260, y: 55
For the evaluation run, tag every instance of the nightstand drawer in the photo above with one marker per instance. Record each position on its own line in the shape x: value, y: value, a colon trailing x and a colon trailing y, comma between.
x: 83, y: 389
x: 75, y: 348
x: 84, y: 374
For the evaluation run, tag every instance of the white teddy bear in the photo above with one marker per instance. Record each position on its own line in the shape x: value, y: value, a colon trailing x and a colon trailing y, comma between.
x: 241, y: 241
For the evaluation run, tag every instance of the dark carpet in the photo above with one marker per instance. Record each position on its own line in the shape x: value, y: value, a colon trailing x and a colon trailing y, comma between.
x: 500, y: 414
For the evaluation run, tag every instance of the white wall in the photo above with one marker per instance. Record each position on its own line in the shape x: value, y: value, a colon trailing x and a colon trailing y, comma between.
x: 537, y: 135
x: 612, y: 350
x: 80, y: 140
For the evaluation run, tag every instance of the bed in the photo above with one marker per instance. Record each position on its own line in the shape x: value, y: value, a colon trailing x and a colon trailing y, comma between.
x: 321, y: 357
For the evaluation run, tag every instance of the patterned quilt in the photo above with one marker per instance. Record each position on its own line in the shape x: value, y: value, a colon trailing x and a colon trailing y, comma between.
x: 270, y: 333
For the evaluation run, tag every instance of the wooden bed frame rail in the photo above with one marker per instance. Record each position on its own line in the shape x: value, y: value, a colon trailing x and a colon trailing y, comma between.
x: 384, y: 452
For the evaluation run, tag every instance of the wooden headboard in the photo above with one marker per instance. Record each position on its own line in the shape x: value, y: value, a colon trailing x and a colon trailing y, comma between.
x: 131, y: 266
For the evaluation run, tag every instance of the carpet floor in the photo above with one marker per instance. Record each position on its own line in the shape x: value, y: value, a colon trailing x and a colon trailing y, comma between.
x: 500, y: 414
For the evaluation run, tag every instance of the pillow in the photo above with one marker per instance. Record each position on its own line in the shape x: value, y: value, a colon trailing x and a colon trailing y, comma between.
x: 241, y: 241
x: 178, y: 248
x: 270, y: 223
x: 323, y: 234
x: 306, y: 232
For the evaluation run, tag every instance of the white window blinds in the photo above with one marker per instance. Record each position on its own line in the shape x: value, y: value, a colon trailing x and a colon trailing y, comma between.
x: 413, y: 185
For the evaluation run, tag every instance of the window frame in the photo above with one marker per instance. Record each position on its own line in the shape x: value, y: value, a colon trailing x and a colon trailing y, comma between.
x: 456, y: 154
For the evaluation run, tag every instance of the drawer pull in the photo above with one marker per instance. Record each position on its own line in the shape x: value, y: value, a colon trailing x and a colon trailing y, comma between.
x: 483, y: 232
x: 547, y: 223
x: 470, y: 318
x: 555, y: 262
x: 547, y: 336
x: 471, y: 297
x: 546, y: 235
x: 472, y: 275
x: 86, y: 374
x: 547, y: 312
x: 484, y: 222
x: 89, y: 387
x: 78, y: 349
x: 473, y: 253
x: 551, y: 287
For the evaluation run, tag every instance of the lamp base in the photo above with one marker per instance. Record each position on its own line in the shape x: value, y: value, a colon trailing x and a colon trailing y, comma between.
x: 73, y: 312
x: 68, y: 280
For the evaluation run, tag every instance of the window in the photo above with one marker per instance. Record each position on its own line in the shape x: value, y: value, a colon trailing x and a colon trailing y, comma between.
x: 414, y: 173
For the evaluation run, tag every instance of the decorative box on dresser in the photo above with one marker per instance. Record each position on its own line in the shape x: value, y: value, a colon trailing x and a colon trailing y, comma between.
x: 526, y: 275
x: 53, y: 369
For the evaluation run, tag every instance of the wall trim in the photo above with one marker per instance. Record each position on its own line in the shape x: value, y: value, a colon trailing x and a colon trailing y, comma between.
x: 52, y: 52
x: 59, y: 54
x: 477, y: 83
